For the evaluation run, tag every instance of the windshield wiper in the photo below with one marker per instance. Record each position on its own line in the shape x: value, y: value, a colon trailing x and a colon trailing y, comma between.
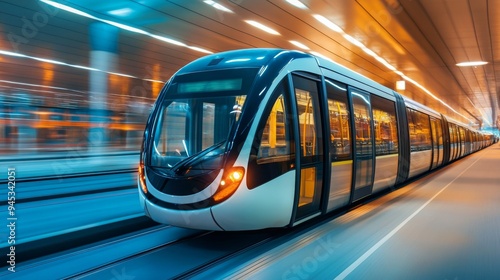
x: 184, y: 164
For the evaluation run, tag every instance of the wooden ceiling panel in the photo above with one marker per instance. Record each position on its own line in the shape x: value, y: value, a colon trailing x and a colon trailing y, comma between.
x: 423, y: 39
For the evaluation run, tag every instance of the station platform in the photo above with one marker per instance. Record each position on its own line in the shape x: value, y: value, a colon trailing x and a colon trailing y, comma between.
x: 60, y: 164
x: 445, y: 225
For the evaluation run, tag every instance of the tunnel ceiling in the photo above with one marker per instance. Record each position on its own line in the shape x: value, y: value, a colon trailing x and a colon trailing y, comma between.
x: 386, y: 40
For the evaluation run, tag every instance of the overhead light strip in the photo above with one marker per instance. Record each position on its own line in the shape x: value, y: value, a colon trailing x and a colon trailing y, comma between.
x: 368, y: 51
x: 300, y: 45
x: 43, y: 86
x: 297, y: 4
x: 218, y: 6
x: 123, y: 26
x: 262, y: 27
x: 56, y: 62
x: 471, y: 63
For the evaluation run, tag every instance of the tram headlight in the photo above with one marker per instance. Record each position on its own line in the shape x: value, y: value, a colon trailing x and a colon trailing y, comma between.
x: 229, y: 183
x: 142, y: 178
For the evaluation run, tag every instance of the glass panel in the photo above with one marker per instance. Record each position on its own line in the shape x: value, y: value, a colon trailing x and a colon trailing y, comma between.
x: 420, y: 132
x: 340, y: 126
x: 310, y: 139
x: 362, y: 124
x: 171, y: 123
x: 439, y: 130
x: 462, y: 140
x: 309, y: 121
x: 275, y: 140
x: 437, y: 136
x: 386, y: 129
x: 208, y: 124
x: 453, y: 141
x: 273, y: 149
x: 364, y: 148
x: 197, y: 113
x: 307, y: 185
x: 189, y: 126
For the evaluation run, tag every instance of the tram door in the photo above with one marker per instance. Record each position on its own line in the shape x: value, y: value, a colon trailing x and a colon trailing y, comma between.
x: 363, y: 145
x: 310, y: 137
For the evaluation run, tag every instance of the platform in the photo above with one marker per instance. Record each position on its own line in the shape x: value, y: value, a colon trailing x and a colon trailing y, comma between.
x: 443, y: 226
x: 59, y: 165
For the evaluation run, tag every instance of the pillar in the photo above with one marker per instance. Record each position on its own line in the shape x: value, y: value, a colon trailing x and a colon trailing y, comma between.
x: 103, y: 56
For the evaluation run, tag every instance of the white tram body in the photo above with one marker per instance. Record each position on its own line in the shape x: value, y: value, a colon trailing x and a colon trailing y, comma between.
x: 265, y: 138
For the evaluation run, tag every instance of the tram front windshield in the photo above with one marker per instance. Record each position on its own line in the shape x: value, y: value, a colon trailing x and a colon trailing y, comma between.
x: 195, y: 119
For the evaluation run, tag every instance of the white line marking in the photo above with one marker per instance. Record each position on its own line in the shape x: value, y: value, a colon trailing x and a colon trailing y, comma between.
x: 372, y: 250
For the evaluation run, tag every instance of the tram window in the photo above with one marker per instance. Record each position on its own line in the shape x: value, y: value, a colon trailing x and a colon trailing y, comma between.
x: 173, y: 130
x: 306, y: 94
x: 340, y: 124
x: 437, y: 136
x: 453, y: 140
x: 420, y: 131
x: 386, y: 129
x: 273, y: 152
x: 275, y: 140
x: 462, y: 135
x: 188, y: 126
x: 362, y: 124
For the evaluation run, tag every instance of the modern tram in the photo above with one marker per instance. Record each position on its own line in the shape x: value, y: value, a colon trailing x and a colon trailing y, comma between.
x: 265, y: 138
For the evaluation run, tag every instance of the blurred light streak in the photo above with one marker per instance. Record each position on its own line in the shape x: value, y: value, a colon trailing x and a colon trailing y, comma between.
x: 368, y: 51
x: 299, y: 44
x: 297, y: 4
x: 328, y: 23
x: 44, y: 86
x: 71, y: 65
x: 121, y: 12
x: 218, y: 6
x: 122, y: 26
x: 262, y: 27
x: 200, y: 49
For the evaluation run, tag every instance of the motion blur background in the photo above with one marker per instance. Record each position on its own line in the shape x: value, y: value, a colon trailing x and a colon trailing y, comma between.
x: 82, y: 75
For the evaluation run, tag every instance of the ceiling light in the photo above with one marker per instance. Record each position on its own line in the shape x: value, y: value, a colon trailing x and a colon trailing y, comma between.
x: 262, y: 27
x: 328, y: 23
x: 52, y: 61
x: 123, y: 26
x: 300, y: 45
x: 297, y: 4
x: 121, y: 12
x: 200, y: 49
x: 168, y: 40
x: 354, y: 41
x: 400, y: 85
x: 471, y: 63
x: 218, y: 6
x: 68, y: 8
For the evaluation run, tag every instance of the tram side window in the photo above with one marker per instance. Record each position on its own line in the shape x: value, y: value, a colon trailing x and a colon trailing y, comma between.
x: 386, y: 129
x: 275, y: 139
x: 420, y: 131
x: 273, y: 152
x: 340, y: 124
x: 453, y: 139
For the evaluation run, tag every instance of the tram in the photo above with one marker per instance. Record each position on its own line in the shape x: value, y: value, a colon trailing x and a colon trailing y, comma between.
x: 265, y: 138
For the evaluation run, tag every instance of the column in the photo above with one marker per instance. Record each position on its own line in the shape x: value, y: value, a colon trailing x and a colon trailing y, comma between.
x: 103, y: 56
